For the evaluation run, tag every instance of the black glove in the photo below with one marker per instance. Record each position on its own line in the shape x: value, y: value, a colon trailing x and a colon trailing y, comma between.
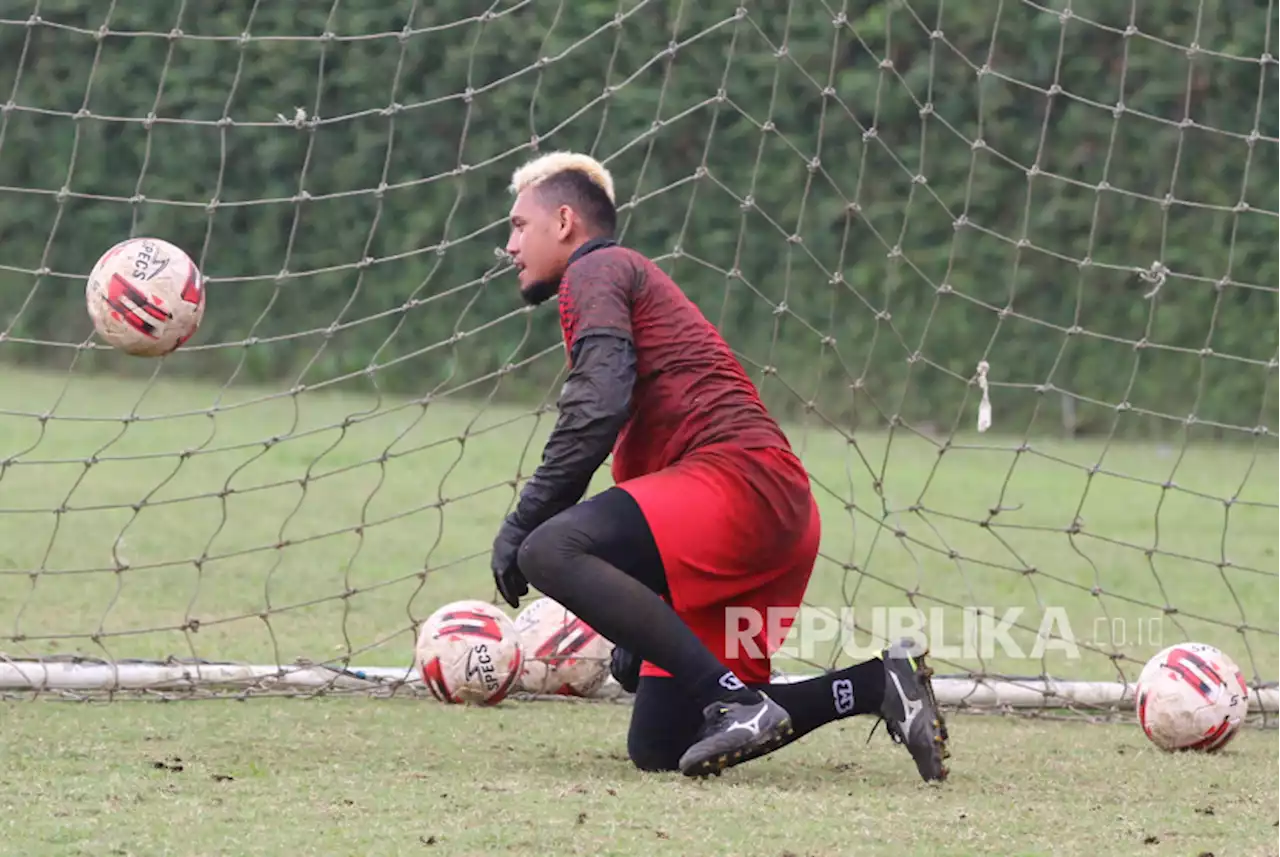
x: 506, y: 569
x: 625, y: 669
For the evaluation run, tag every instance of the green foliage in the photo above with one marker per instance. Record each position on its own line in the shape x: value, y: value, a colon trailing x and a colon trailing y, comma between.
x: 867, y: 208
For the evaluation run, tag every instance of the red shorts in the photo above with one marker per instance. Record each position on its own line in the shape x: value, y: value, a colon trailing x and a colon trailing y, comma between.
x: 738, y: 532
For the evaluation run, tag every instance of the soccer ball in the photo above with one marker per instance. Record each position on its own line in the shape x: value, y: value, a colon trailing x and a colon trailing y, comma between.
x: 145, y: 296
x: 1191, y: 697
x: 468, y: 652
x: 563, y: 655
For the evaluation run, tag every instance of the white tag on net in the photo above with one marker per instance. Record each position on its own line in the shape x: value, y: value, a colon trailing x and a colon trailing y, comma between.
x: 984, y: 407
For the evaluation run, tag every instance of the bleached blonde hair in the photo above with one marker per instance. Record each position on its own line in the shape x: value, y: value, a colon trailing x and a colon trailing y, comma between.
x: 545, y: 166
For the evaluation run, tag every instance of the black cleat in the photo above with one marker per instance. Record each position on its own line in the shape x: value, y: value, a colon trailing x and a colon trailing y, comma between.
x: 910, y: 710
x: 736, y: 732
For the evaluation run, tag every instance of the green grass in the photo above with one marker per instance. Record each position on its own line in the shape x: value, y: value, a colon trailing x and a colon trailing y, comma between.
x: 323, y: 526
x: 347, y: 777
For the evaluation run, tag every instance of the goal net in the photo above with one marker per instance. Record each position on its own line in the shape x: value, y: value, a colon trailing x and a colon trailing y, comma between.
x: 1007, y: 271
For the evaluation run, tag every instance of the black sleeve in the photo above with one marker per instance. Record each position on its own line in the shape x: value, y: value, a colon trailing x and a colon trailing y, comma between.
x: 594, y: 405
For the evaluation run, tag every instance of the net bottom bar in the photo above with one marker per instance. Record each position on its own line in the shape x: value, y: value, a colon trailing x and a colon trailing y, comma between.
x: 37, y: 675
x: 100, y: 677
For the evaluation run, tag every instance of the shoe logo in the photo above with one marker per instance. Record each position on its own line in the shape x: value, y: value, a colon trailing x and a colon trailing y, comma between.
x: 752, y: 725
x: 729, y: 681
x: 842, y: 692
x: 911, y: 707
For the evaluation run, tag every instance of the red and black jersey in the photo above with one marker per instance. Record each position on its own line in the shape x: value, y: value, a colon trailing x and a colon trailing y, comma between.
x: 650, y: 380
x: 690, y: 392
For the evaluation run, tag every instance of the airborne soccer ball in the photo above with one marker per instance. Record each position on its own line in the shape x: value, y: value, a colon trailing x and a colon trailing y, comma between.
x: 145, y: 296
x: 1191, y: 697
x: 563, y: 654
x: 469, y: 652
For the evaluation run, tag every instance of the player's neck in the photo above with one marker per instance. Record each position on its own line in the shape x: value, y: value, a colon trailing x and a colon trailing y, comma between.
x: 590, y: 245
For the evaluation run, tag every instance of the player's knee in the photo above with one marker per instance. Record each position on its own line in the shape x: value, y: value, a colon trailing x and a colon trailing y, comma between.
x: 545, y: 554
x: 652, y: 752
x: 664, y: 722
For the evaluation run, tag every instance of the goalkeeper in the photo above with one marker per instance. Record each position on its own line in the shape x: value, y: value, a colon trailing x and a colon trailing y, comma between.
x: 711, y: 510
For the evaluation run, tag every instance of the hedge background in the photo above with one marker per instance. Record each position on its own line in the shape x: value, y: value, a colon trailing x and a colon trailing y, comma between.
x: 868, y: 198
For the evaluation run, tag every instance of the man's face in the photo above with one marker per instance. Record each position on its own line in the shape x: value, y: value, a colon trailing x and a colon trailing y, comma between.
x: 538, y: 245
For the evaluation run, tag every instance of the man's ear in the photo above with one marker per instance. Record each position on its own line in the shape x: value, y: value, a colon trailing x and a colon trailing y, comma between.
x: 564, y: 226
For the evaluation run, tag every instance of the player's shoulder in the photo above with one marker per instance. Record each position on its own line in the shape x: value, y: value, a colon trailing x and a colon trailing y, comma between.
x: 612, y: 264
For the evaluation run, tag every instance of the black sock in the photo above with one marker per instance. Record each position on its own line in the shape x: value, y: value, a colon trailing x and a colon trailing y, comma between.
x: 559, y: 560
x: 817, y: 701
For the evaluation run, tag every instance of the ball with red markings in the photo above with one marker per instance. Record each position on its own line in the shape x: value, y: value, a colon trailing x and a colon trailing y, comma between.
x: 563, y: 654
x: 1191, y: 696
x: 145, y: 297
x: 468, y: 652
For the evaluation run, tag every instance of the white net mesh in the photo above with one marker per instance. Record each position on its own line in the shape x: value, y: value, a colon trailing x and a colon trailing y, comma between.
x: 911, y: 221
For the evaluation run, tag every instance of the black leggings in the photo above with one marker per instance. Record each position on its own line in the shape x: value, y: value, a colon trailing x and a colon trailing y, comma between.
x: 664, y: 723
x: 568, y: 558
x: 610, y: 526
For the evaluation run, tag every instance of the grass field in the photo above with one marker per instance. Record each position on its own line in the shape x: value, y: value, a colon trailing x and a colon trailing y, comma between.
x: 240, y: 525
x: 345, y: 777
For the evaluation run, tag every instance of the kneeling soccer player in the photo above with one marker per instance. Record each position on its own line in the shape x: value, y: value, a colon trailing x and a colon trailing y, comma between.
x: 711, y: 514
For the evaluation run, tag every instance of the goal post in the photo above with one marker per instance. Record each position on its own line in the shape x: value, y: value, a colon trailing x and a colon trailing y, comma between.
x: 1007, y: 272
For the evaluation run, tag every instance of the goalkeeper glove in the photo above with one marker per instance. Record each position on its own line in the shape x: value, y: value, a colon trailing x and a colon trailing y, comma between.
x: 506, y: 569
x: 625, y: 669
